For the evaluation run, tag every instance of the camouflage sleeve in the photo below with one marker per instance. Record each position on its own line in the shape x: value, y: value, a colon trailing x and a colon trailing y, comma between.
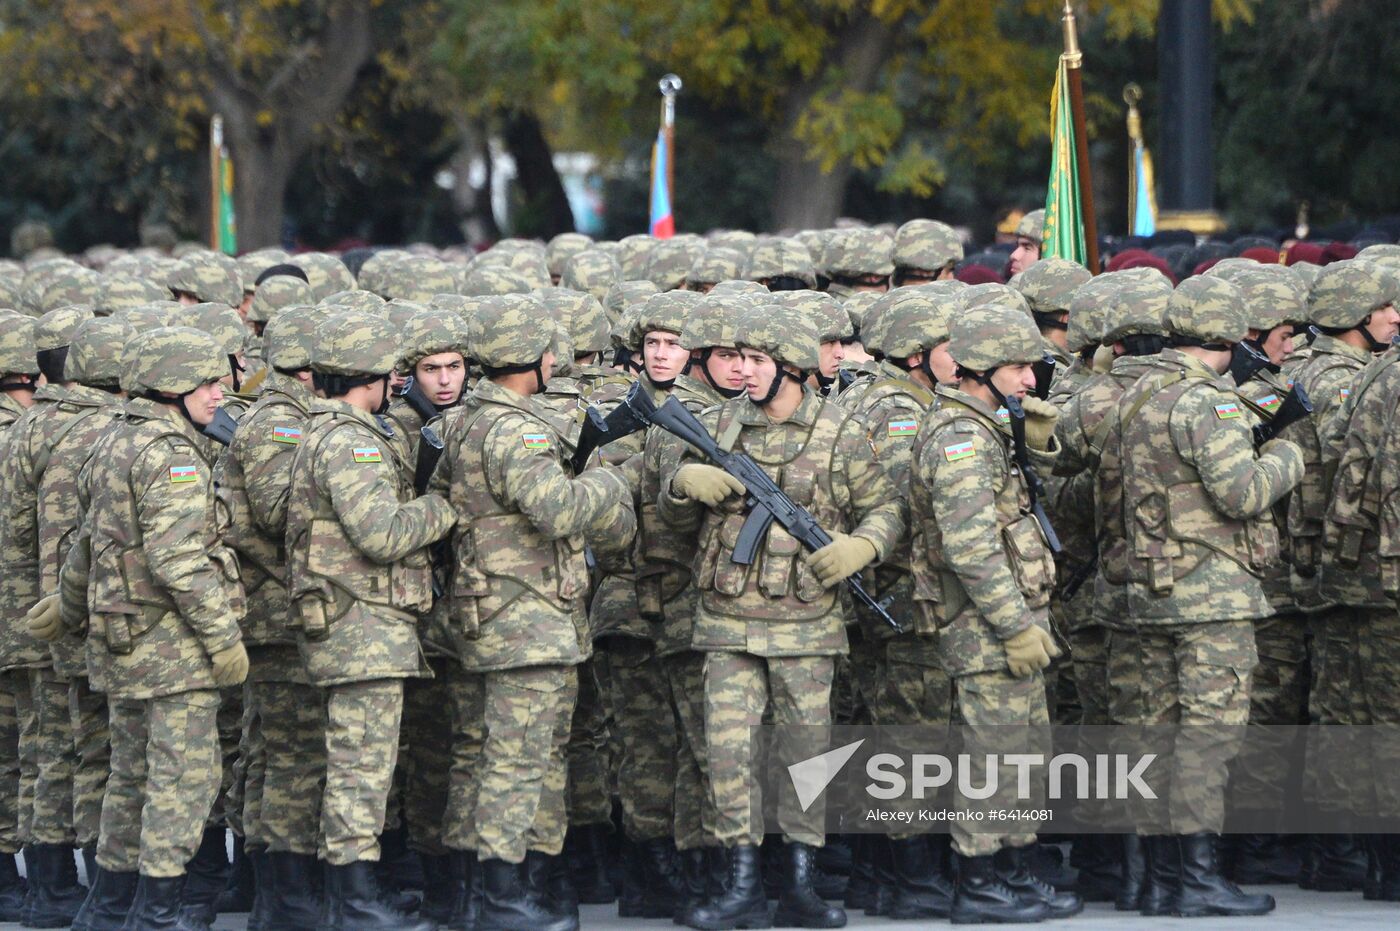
x: 880, y: 511
x: 267, y: 471
x: 961, y: 473
x: 360, y: 480
x: 1211, y: 434
x: 1069, y: 432
x: 533, y: 481
x: 893, y: 426
x: 172, y: 485
x: 73, y: 580
x: 615, y: 531
x: 681, y: 515
x: 19, y: 481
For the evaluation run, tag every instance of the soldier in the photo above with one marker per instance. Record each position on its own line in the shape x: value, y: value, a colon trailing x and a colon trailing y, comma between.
x: 1195, y: 499
x: 359, y: 576
x: 925, y: 251
x: 1048, y: 287
x: 206, y: 278
x: 858, y: 260
x: 771, y: 632
x: 718, y: 263
x: 781, y: 264
x: 560, y: 249
x: 833, y: 329
x: 517, y: 613
x: 165, y: 594
x: 1027, y: 251
x: 982, y: 577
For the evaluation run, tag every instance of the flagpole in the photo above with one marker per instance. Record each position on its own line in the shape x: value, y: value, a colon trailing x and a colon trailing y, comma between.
x: 216, y: 144
x: 1074, y: 60
x: 670, y: 86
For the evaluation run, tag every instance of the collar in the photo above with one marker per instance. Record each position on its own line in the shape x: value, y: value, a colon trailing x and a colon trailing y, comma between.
x: 1188, y: 364
x: 50, y: 392
x: 84, y: 396
x: 1330, y: 345
x: 146, y: 409
x: 698, y: 388
x: 805, y: 415
x: 345, y: 409
x: 488, y: 392
x: 286, y: 384
x: 953, y: 397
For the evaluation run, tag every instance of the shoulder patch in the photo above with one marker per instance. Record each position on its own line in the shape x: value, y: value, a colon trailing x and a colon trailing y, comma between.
x: 183, y: 473
x: 1269, y: 402
x: 959, y: 451
x: 1227, y: 410
x: 366, y: 454
x: 1003, y: 415
x: 289, y: 435
x: 1343, y: 394
x: 902, y: 427
x: 535, y: 440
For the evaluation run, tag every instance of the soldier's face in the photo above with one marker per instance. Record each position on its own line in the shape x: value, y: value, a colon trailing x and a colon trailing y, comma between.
x: 1385, y: 324
x: 663, y: 356
x: 442, y: 376
x: 1026, y: 254
x: 725, y: 368
x: 945, y: 370
x: 759, y: 371
x: 1278, y: 345
x: 547, y: 366
x: 831, y: 355
x: 1015, y: 380
x: 877, y: 284
x: 203, y: 401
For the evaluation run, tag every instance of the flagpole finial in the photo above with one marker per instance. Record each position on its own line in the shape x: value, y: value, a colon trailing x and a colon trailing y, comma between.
x: 1132, y: 93
x: 670, y: 85
x: 1072, y: 55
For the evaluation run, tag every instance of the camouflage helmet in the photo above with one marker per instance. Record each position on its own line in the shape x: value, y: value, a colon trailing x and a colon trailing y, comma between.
x: 55, y: 329
x: 715, y: 264
x: 120, y: 291
x: 736, y: 239
x: 9, y: 290
x: 831, y: 319
x: 377, y: 271
x: 95, y: 354
x: 735, y: 286
x: 509, y: 330
x: 665, y: 312
x: 1137, y: 306
x: 325, y: 274
x: 859, y: 251
x: 992, y: 335
x: 592, y: 270
x: 787, y: 336
x: 1346, y: 293
x: 561, y: 247
x: 172, y: 360
x: 1273, y: 295
x: 1307, y: 271
x: 1211, y: 310
x: 431, y: 332
x: 30, y: 236
x: 354, y: 299
x: 484, y: 279
x: 781, y: 257
x: 418, y: 277
x: 275, y: 293
x: 210, y: 278
x: 928, y: 245
x: 220, y: 322
x: 992, y: 294
x: 917, y: 321
x: 627, y: 294
x: 149, y: 316
x: 669, y: 262
x: 633, y: 253
x: 71, y: 286
x: 352, y: 342
x: 1380, y: 250
x: 623, y: 333
x: 37, y: 277
x: 857, y: 307
x: 1032, y: 225
x: 1049, y: 285
x: 289, y: 339
x: 582, y: 316
x: 714, y: 323
x: 252, y: 264
x: 17, y: 352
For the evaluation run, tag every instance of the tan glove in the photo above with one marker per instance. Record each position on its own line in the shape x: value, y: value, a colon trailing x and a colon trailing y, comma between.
x: 705, y: 483
x: 1040, y: 421
x: 44, y: 620
x: 1103, y: 360
x: 230, y: 665
x: 1030, y: 651
x: 845, y: 555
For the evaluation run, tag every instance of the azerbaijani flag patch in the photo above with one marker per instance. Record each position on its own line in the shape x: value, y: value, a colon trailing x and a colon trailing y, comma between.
x: 289, y: 435
x: 535, y: 441
x: 959, y: 451
x: 181, y: 474
x: 1226, y: 411
x: 366, y: 454
x: 1003, y: 415
x: 1343, y: 394
x: 1269, y: 402
x: 903, y: 427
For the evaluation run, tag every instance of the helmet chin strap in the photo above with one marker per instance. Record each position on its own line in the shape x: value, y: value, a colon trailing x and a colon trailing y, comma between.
x: 774, y: 386
x: 1375, y: 344
x: 985, y: 379
x: 710, y: 377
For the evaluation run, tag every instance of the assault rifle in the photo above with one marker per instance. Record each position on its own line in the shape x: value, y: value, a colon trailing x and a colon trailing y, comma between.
x: 429, y: 443
x: 599, y: 430
x: 1035, y: 488
x: 1296, y: 405
x: 221, y: 428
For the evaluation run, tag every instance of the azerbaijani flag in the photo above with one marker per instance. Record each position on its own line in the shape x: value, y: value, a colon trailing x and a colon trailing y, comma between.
x: 1063, y: 233
x: 663, y: 224
x: 1143, y: 195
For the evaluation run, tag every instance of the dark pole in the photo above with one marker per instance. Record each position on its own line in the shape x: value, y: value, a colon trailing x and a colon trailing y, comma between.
x: 1186, y: 72
x: 1074, y: 61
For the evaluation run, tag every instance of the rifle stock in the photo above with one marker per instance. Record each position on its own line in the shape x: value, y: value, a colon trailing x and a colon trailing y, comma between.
x: 222, y: 428
x: 1296, y: 405
x: 1035, y: 488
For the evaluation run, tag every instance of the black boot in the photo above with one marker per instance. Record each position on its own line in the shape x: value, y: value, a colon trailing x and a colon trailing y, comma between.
x: 799, y: 905
x: 1015, y: 865
x: 156, y: 905
x: 238, y: 894
x: 1390, y: 868
x: 54, y: 896
x: 467, y: 909
x: 882, y: 876
x: 399, y: 871
x: 1204, y: 891
x: 860, y: 888
x: 694, y: 874
x: 1341, y: 865
x: 982, y: 897
x: 548, y: 877
x: 1134, y: 859
x: 1310, y: 859
x: 1262, y: 859
x: 443, y: 878
x: 1375, y: 852
x: 89, y: 855
x: 742, y: 903
x: 589, y: 855
x: 1163, y: 855
x: 717, y: 861
x: 206, y: 875
x: 293, y: 891
x: 358, y: 903
x: 262, y: 878
x: 509, y: 904
x: 12, y: 888
x: 1096, y: 861
x: 108, y: 900
x: 921, y: 890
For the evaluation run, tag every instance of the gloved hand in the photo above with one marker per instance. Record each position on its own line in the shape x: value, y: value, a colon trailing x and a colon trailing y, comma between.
x: 230, y: 665
x: 43, y: 619
x: 1040, y: 421
x: 705, y: 483
x: 845, y: 555
x: 1029, y: 651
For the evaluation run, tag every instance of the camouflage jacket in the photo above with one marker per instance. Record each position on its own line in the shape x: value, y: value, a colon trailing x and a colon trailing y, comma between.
x: 10, y: 411
x: 1326, y: 376
x: 982, y: 569
x: 1263, y: 394
x: 823, y: 458
x: 1194, y: 490
x: 164, y: 591
x: 91, y: 414
x: 1071, y: 374
x: 24, y: 454
x: 520, y: 581
x: 867, y: 374
x: 357, y: 541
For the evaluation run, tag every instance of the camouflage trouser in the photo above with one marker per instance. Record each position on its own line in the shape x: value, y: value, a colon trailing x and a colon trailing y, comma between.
x: 1380, y: 685
x: 1089, y: 651
x: 589, y: 796
x: 1194, y: 676
x: 646, y: 729
x: 695, y: 816
x: 510, y: 728
x: 1335, y: 697
x: 229, y: 807
x: 9, y: 764
x: 913, y: 694
x: 286, y: 766
x: 990, y: 705
x: 92, y: 750
x: 51, y: 821
x: 739, y: 687
x: 164, y: 779
x: 866, y: 662
x: 1262, y: 778
x: 427, y: 757
x: 27, y: 716
x: 362, y: 745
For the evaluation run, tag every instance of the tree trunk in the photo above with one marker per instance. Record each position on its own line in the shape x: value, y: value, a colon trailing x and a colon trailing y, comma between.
x: 546, y: 210
x: 471, y: 202
x: 806, y: 197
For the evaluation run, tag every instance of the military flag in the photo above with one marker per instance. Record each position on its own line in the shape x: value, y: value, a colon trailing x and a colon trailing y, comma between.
x: 663, y: 222
x: 223, y: 233
x: 1069, y: 231
x: 1142, y: 194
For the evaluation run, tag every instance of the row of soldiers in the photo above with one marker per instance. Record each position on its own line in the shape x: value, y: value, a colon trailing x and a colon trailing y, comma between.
x: 519, y: 631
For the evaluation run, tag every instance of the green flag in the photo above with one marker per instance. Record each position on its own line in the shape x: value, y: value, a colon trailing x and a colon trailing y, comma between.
x: 228, y: 231
x: 1063, y: 233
